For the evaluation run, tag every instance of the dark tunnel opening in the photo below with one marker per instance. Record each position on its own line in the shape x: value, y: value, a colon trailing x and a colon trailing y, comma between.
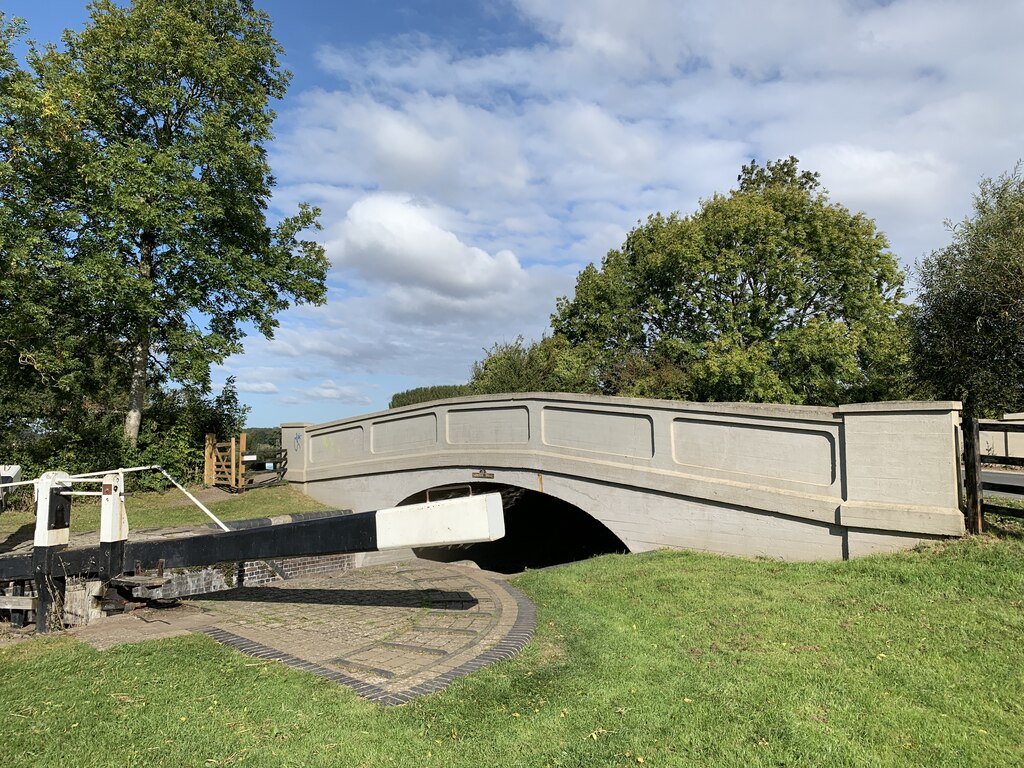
x: 540, y: 531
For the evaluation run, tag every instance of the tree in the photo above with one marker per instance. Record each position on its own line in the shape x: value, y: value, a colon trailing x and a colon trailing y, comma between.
x: 770, y: 293
x: 428, y: 394
x: 548, y: 365
x: 52, y: 380
x: 136, y: 155
x: 177, y: 422
x: 969, y: 320
x: 263, y: 441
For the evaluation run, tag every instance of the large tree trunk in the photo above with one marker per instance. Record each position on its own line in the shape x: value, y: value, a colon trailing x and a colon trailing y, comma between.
x: 137, y: 392
x: 140, y: 350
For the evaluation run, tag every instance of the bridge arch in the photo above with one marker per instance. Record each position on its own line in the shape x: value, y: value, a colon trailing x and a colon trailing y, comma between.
x: 793, y: 482
x: 540, y: 530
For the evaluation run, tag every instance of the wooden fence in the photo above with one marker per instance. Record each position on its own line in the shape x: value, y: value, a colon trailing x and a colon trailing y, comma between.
x: 977, y: 506
x: 228, y: 466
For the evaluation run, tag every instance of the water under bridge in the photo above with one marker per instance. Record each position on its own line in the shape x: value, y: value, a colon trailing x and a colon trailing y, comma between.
x: 588, y: 474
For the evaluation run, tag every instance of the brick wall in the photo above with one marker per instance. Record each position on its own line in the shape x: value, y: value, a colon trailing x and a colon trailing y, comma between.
x: 253, y: 573
x: 256, y: 573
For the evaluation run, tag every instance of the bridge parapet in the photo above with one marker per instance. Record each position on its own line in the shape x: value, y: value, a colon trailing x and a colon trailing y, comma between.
x: 1002, y: 444
x: 656, y: 472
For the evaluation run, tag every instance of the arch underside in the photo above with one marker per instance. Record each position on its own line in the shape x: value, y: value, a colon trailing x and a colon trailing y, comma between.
x: 540, y: 530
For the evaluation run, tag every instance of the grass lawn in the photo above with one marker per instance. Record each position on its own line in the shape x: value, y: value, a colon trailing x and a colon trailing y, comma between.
x: 668, y: 658
x: 169, y: 509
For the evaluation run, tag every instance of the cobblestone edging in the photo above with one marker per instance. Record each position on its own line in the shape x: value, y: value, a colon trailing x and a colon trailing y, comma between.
x: 513, y: 642
x: 510, y: 643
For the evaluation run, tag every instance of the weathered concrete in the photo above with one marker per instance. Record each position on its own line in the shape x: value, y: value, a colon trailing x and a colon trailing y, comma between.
x: 799, y: 483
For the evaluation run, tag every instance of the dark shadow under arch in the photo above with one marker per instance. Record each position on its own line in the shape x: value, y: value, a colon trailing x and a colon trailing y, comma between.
x: 540, y: 531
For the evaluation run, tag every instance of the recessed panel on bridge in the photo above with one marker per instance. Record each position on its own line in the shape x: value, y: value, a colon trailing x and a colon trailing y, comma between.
x: 343, y: 445
x: 489, y: 426
x: 613, y: 434
x: 776, y: 451
x: 413, y: 433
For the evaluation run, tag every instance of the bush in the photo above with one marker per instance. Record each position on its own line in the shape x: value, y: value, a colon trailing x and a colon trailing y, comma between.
x: 428, y: 394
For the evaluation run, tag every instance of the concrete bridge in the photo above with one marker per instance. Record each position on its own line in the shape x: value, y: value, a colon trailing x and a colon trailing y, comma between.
x: 792, y: 482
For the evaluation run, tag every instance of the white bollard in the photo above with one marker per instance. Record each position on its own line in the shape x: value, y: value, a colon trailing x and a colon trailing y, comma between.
x: 53, y: 510
x: 113, y: 517
x: 53, y: 531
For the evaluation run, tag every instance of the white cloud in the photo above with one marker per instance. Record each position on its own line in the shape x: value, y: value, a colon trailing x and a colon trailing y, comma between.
x: 256, y: 387
x: 863, y: 176
x: 462, y: 192
x: 329, y: 390
x: 324, y: 335
x: 427, y: 144
x: 394, y: 239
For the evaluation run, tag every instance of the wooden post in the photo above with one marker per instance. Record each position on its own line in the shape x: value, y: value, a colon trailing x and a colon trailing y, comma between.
x: 233, y: 459
x: 975, y: 518
x: 241, y: 462
x: 17, y: 617
x: 210, y: 460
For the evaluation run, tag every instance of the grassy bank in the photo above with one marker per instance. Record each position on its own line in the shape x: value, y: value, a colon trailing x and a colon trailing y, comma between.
x: 170, y: 509
x: 669, y: 658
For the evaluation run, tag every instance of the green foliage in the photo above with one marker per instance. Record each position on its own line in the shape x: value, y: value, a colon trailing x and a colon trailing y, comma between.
x: 672, y: 658
x: 548, y: 365
x: 176, y: 426
x: 969, y: 322
x: 54, y: 408
x: 263, y: 441
x: 428, y: 394
x: 172, y: 436
x: 770, y: 293
x: 135, y: 182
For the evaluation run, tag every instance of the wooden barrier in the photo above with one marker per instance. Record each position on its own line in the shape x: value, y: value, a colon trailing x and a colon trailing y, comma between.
x: 974, y: 458
x: 228, y: 466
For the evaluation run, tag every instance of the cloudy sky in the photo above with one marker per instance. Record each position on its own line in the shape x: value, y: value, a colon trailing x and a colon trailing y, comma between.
x: 471, y: 157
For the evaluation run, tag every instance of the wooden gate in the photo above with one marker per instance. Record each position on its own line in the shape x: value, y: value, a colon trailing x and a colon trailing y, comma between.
x: 221, y: 465
x: 228, y: 466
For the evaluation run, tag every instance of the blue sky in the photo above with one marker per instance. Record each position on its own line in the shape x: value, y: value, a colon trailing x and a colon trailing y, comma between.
x: 470, y: 158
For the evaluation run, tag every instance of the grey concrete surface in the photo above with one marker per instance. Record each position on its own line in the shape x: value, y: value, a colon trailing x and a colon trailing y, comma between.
x: 792, y: 482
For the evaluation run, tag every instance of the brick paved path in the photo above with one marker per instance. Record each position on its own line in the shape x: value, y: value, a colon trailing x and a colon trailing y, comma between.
x: 389, y: 632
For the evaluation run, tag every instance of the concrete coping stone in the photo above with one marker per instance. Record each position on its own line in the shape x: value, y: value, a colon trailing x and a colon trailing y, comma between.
x: 903, y: 406
x: 810, y: 412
